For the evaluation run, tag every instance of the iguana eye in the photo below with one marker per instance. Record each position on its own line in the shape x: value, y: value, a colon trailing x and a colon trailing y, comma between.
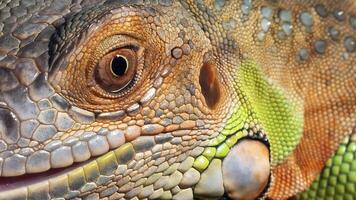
x: 119, y: 66
x: 116, y: 70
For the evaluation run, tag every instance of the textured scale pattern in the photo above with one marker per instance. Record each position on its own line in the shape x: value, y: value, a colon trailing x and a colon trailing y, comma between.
x: 211, y: 77
x: 309, y: 64
x: 277, y: 115
x: 338, y: 179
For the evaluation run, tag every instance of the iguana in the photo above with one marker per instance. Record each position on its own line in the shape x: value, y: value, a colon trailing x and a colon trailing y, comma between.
x: 160, y: 99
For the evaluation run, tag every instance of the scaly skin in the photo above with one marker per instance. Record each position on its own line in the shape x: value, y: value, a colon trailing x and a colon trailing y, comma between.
x: 230, y: 99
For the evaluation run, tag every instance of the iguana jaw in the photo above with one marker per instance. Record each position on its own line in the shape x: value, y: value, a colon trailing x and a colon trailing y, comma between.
x: 107, y: 167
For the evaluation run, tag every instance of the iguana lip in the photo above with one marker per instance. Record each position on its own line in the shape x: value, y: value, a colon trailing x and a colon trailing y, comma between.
x: 14, y: 182
x: 9, y: 183
x: 82, y: 147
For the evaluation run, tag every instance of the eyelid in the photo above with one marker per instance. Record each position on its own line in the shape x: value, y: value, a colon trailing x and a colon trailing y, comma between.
x: 114, y: 42
x: 129, y: 46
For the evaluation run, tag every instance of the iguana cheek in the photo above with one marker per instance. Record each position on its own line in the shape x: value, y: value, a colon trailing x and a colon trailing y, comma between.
x: 246, y: 170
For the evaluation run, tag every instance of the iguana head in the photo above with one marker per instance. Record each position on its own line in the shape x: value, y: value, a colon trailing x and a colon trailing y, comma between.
x: 133, y: 100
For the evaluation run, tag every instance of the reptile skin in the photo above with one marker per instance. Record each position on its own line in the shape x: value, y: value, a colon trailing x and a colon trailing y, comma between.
x: 222, y: 99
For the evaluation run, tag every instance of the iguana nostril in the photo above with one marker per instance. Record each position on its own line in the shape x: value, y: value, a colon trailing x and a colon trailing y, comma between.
x: 209, y: 84
x: 246, y: 170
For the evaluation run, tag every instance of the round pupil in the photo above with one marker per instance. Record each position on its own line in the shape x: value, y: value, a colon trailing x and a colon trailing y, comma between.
x: 119, y: 65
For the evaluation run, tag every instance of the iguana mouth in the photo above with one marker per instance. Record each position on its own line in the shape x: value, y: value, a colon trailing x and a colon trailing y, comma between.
x: 122, y: 156
x: 9, y: 183
x: 139, y: 144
